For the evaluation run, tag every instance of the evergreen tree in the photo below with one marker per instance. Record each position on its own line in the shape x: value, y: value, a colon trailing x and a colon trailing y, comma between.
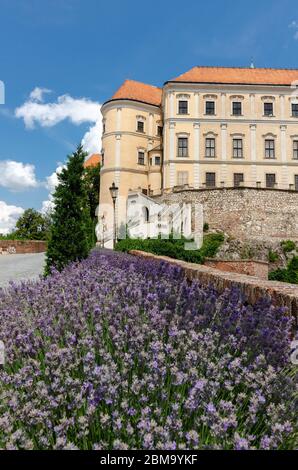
x: 92, y: 181
x: 71, y: 230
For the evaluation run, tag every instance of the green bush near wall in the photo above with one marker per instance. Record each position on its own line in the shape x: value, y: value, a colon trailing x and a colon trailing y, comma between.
x: 290, y: 274
x: 175, y: 248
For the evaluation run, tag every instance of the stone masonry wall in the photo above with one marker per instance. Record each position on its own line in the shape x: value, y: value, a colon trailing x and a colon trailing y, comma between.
x: 252, y: 287
x: 23, y: 246
x: 249, y: 267
x: 244, y: 213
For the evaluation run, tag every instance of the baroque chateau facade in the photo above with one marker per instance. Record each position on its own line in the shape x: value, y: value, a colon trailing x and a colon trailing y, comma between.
x: 211, y: 127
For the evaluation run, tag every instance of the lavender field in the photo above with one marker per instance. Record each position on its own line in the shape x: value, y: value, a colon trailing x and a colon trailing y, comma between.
x: 123, y: 353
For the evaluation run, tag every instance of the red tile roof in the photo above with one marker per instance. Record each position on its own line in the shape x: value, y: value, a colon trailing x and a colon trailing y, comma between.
x: 138, y: 91
x: 249, y: 76
x: 93, y: 160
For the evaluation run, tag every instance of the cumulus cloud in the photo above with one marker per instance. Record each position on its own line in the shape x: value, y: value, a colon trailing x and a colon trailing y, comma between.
x: 51, y: 184
x: 17, y: 176
x: 8, y: 217
x: 76, y: 110
x: 37, y: 94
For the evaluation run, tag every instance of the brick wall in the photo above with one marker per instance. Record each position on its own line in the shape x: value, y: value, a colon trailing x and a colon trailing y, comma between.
x: 258, y: 269
x: 253, y: 288
x: 245, y: 212
x: 24, y: 246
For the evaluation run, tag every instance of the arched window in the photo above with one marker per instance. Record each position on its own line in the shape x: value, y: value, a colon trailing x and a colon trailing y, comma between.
x: 146, y: 214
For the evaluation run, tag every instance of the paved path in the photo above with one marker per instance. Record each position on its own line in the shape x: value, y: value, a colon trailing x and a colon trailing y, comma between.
x: 20, y: 267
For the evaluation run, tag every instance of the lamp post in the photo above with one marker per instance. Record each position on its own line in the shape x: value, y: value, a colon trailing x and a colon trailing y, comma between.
x: 114, y: 194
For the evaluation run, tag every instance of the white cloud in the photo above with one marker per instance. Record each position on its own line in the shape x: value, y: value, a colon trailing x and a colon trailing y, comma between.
x: 51, y: 184
x: 8, y: 217
x: 75, y: 110
x: 294, y: 25
x: 37, y: 94
x: 17, y: 176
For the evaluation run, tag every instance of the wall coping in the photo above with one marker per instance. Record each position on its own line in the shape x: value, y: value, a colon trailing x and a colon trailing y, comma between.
x: 222, y: 260
x: 253, y: 288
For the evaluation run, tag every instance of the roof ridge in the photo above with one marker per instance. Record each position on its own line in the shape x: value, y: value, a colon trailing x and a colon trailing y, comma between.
x: 141, y: 83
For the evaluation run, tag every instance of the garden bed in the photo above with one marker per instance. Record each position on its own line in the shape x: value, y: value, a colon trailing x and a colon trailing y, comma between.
x: 118, y: 352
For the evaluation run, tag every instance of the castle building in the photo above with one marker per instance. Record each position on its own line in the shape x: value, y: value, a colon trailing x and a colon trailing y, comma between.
x: 211, y: 127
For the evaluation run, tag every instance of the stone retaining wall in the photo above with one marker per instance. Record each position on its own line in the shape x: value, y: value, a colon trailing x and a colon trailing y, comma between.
x: 245, y: 213
x: 249, y: 267
x: 252, y: 287
x: 23, y: 246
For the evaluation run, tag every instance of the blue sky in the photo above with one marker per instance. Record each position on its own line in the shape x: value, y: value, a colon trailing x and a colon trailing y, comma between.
x: 83, y: 50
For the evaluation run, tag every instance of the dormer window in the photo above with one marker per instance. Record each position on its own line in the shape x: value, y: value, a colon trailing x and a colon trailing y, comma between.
x: 140, y: 126
x: 183, y: 107
x: 268, y: 109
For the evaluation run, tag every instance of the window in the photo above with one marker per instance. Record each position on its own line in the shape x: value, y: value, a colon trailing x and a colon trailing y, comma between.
x: 294, y: 109
x: 182, y: 178
x: 103, y: 127
x: 238, y: 179
x: 210, y: 108
x: 210, y: 180
x: 183, y: 107
x: 269, y: 148
x: 159, y: 131
x: 210, y: 148
x: 237, y: 148
x: 102, y: 159
x: 141, y: 158
x: 157, y: 161
x: 296, y: 182
x: 237, y: 108
x: 182, y: 147
x: 140, y: 126
x: 268, y: 109
x: 295, y: 149
x: 270, y: 180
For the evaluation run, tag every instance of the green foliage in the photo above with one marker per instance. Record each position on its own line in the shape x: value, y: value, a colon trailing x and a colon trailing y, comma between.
x: 31, y: 225
x: 71, y: 234
x: 288, y: 246
x: 175, y: 248
x: 272, y: 256
x: 290, y: 274
x: 92, y: 182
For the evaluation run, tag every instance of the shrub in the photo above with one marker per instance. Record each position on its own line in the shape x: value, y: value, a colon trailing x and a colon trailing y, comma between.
x: 174, y: 248
x: 290, y: 274
x: 288, y: 246
x: 272, y: 256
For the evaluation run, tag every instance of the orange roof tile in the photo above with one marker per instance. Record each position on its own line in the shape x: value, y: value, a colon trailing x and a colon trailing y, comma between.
x: 230, y: 75
x: 93, y: 160
x: 138, y: 91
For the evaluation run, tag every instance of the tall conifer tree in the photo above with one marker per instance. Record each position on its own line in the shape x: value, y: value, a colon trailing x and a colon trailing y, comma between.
x: 71, y: 231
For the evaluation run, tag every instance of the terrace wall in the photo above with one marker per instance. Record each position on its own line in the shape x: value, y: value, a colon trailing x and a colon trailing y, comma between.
x: 23, y: 246
x: 249, y: 267
x: 253, y: 288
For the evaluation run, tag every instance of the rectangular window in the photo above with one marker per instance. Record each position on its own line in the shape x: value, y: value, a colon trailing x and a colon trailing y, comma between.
x: 296, y: 182
x: 238, y: 179
x: 140, y: 126
x: 269, y: 148
x: 210, y: 108
x: 182, y: 178
x: 237, y: 108
x: 295, y: 149
x: 183, y: 107
x: 294, y: 109
x: 237, y: 148
x: 210, y: 148
x: 182, y: 147
x: 210, y: 180
x: 268, y: 109
x: 157, y: 161
x: 270, y: 180
x: 102, y: 159
x: 159, y: 131
x: 141, y: 158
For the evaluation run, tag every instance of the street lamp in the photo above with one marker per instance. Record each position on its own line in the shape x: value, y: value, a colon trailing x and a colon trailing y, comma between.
x: 114, y: 194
